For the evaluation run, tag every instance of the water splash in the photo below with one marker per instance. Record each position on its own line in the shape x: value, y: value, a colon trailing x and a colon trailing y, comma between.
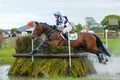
x: 3, y: 72
x: 109, y: 70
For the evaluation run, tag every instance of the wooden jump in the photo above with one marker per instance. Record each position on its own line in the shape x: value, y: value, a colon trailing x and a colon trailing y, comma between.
x: 51, y: 55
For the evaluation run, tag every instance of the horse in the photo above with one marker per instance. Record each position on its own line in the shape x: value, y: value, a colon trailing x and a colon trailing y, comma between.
x: 89, y: 42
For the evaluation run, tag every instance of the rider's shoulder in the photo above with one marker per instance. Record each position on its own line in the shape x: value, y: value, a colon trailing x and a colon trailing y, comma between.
x: 65, y: 17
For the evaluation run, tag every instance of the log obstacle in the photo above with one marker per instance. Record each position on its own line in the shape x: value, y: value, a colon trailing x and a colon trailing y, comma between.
x: 26, y: 55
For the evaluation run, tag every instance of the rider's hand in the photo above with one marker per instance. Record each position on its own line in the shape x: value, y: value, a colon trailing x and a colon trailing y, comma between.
x: 65, y: 26
x: 54, y: 26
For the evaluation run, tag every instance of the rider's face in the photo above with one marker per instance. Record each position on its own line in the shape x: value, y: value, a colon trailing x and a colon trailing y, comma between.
x: 56, y: 17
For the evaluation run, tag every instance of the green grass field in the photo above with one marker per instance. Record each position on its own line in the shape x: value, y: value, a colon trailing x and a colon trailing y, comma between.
x: 71, y: 78
x: 113, y: 45
x: 6, y: 55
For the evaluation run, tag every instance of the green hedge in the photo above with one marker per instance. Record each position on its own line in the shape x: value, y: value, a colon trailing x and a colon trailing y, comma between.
x: 51, y: 67
x: 24, y: 44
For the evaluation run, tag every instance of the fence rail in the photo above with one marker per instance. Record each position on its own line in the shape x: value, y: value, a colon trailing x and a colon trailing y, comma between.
x: 51, y: 55
x: 8, y: 42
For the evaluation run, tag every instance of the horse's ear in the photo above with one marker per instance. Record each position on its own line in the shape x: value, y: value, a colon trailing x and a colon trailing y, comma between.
x: 36, y: 23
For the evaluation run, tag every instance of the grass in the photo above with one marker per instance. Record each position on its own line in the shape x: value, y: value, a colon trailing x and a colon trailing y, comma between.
x: 6, y: 55
x: 61, y: 78
x: 71, y: 78
x: 113, y: 45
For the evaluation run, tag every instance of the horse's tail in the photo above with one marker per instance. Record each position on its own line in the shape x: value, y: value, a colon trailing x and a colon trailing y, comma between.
x: 100, y: 46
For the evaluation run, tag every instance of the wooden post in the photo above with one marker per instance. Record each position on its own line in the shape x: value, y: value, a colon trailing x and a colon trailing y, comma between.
x: 69, y: 53
x: 32, y: 50
x: 106, y: 31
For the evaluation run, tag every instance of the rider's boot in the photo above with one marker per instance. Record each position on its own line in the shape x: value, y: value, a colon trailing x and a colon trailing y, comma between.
x: 65, y: 35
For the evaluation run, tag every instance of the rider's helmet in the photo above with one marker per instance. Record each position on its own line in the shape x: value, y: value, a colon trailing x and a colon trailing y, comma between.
x: 57, y: 13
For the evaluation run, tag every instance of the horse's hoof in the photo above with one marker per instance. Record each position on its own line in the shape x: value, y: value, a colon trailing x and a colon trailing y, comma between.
x: 104, y: 61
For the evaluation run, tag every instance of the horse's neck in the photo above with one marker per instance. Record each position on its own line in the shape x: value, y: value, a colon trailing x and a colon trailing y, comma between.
x: 50, y: 32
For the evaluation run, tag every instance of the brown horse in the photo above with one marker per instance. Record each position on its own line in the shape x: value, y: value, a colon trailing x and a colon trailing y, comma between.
x: 89, y: 42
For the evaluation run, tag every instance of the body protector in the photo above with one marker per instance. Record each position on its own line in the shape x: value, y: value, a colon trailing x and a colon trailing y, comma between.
x: 63, y: 24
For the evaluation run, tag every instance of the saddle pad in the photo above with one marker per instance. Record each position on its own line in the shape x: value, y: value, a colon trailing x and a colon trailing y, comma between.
x: 73, y: 36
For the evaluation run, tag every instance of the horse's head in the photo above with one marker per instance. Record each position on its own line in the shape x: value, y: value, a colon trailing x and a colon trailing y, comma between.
x: 38, y: 28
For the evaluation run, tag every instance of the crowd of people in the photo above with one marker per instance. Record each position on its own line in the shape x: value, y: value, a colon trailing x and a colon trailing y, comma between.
x: 14, y: 34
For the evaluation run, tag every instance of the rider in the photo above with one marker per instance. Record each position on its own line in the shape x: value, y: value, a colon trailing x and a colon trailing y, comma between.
x: 62, y: 24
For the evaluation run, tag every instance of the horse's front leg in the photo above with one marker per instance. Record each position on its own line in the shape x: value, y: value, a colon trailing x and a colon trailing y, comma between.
x: 101, y: 58
x: 40, y: 47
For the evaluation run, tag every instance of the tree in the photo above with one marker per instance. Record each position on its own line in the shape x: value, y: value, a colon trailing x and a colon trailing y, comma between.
x: 78, y: 28
x: 105, y: 21
x: 97, y: 29
x: 14, y: 30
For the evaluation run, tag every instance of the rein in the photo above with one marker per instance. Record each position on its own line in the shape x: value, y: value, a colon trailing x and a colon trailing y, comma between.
x: 49, y: 32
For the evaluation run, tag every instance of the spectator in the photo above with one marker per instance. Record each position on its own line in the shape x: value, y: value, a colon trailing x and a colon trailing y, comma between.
x: 14, y: 34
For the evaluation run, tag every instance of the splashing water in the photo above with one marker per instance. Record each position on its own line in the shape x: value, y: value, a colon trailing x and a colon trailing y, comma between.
x: 109, y: 70
x: 3, y: 72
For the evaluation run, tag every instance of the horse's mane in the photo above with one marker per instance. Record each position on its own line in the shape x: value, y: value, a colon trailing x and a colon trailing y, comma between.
x: 54, y: 27
x: 49, y: 29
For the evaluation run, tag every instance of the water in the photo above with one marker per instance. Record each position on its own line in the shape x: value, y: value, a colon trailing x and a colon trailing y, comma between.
x: 110, y: 70
x: 4, y: 75
x: 3, y: 72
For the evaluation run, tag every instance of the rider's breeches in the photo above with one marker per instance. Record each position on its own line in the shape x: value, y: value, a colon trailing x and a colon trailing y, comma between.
x: 68, y: 28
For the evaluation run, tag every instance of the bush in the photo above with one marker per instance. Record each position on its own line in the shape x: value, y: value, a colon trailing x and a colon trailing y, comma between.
x: 24, y: 44
x: 58, y: 50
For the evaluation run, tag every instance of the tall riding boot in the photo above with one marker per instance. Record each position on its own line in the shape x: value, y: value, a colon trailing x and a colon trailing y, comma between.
x: 66, y: 36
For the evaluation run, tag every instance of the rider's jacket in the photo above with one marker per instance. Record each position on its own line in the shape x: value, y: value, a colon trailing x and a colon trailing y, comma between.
x: 61, y: 22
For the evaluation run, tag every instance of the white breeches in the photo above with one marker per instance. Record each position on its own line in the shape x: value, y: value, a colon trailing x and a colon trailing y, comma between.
x: 68, y: 28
